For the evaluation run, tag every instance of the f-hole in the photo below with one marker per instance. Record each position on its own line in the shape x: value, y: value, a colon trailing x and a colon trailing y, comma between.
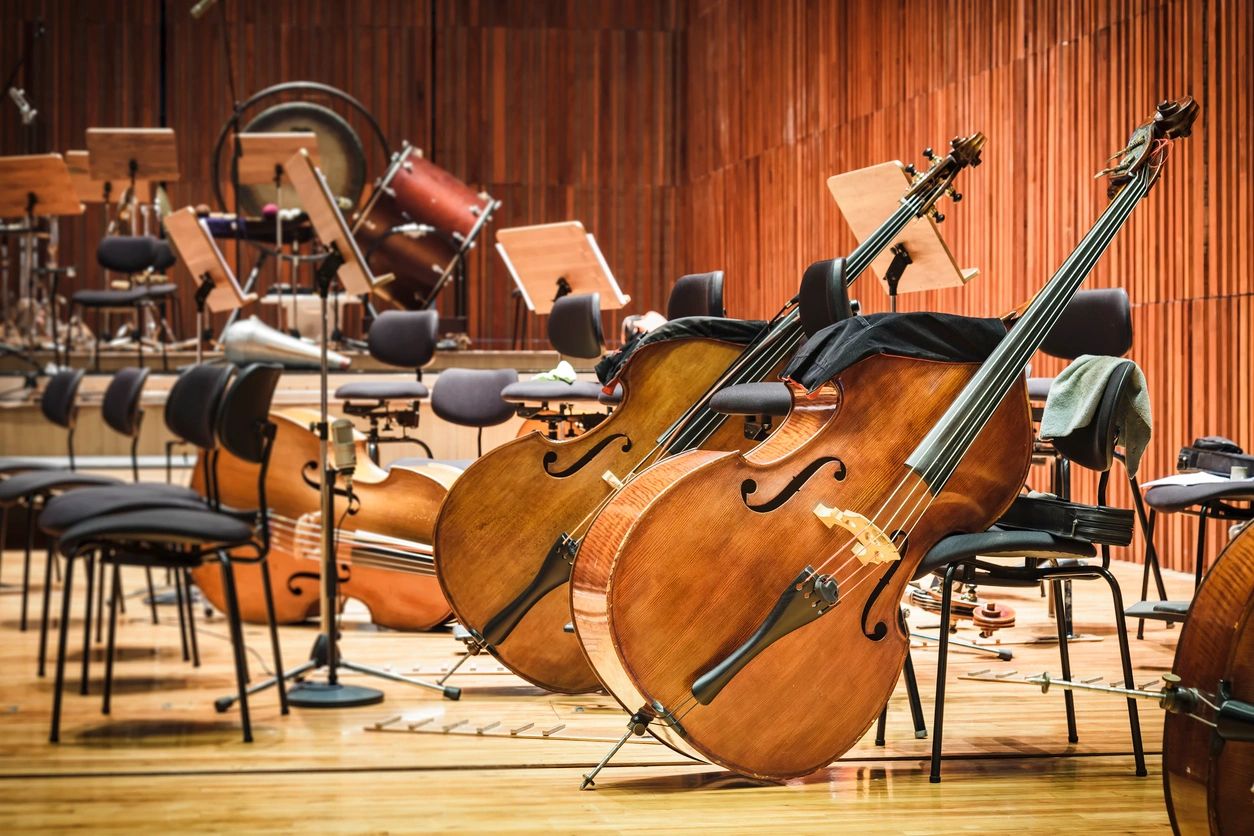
x: 749, y: 486
x: 550, y: 458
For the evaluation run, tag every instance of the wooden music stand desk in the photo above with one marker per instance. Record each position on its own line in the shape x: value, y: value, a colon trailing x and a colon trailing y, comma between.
x: 38, y: 184
x: 203, y: 258
x: 551, y: 260
x: 869, y: 195
x: 133, y: 154
x: 328, y: 222
x: 264, y: 155
x: 95, y: 191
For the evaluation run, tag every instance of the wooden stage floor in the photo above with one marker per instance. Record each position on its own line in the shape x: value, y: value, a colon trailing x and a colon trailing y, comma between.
x: 165, y: 761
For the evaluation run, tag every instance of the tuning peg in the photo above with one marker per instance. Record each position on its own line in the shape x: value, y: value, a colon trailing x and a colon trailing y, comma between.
x: 956, y: 197
x: 910, y: 169
x: 938, y: 217
x: 929, y: 153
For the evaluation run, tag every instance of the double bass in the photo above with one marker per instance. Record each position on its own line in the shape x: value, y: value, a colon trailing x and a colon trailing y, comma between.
x: 383, y: 542
x: 744, y: 608
x: 510, y: 529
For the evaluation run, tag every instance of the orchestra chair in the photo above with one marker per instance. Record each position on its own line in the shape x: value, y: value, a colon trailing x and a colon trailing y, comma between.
x: 139, y: 258
x: 191, y: 412
x: 184, y: 538
x: 32, y: 489
x: 574, y: 327
x: 406, y: 339
x: 468, y: 398
x: 1232, y: 501
x: 1037, y: 557
x: 696, y: 294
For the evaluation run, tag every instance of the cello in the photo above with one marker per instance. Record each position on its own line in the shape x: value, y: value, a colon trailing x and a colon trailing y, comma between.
x: 382, y: 543
x: 508, y: 533
x: 744, y: 608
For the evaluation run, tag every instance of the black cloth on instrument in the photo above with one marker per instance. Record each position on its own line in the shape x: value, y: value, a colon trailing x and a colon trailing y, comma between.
x: 738, y: 331
x: 920, y: 335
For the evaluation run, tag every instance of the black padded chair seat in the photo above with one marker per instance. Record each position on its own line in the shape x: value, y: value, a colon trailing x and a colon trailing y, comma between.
x: 35, y: 482
x: 10, y: 465
x: 69, y: 509
x: 552, y: 391
x: 998, y: 542
x: 159, y: 525
x: 1170, y: 498
x: 159, y: 291
x: 1038, y: 387
x: 614, y: 398
x: 1173, y: 612
x: 383, y: 390
x: 419, y: 461
x: 110, y: 298
x: 767, y: 398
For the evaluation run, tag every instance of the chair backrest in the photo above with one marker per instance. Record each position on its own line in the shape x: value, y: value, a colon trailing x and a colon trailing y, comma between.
x: 163, y: 257
x: 472, y: 397
x: 1094, y: 322
x: 404, y: 338
x: 127, y: 253
x: 245, y: 411
x: 57, y: 403
x: 824, y: 297
x: 191, y: 409
x: 120, y: 407
x: 697, y: 294
x: 1093, y: 445
x: 575, y: 325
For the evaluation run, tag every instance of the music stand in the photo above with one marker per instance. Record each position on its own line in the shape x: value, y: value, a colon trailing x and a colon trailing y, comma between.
x: 345, y: 261
x: 218, y: 290
x: 29, y: 184
x: 869, y: 195
x: 548, y: 261
x: 262, y: 157
x: 133, y: 155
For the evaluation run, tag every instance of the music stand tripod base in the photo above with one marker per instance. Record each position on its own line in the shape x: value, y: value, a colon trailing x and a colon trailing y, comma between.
x: 332, y: 695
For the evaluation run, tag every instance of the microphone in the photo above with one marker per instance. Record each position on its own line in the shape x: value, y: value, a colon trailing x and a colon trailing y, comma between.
x: 19, y: 98
x: 343, y: 448
x: 202, y: 6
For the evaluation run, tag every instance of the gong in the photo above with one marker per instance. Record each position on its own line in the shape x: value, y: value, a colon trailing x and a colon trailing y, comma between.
x: 343, y: 159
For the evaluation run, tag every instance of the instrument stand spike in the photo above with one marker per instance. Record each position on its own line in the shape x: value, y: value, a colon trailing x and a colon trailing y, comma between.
x: 635, y: 726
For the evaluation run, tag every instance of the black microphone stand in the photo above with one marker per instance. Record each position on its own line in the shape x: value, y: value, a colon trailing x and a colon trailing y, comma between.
x: 325, y: 653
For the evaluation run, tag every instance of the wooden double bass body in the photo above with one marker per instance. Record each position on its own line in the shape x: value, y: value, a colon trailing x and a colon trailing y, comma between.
x: 508, y: 508
x: 1209, y: 783
x: 396, y: 509
x: 679, y: 570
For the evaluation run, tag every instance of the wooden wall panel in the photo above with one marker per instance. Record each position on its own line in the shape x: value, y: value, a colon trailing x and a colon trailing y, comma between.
x: 780, y: 98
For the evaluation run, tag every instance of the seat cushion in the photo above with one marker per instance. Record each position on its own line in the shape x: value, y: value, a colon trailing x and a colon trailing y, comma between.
x: 159, y: 526
x: 419, y: 461
x: 110, y: 298
x: 753, y: 399
x: 10, y: 465
x: 383, y: 390
x: 160, y: 291
x: 73, y: 507
x: 552, y: 391
x: 35, y: 482
x: 1038, y: 387
x: 1171, y: 498
x: 997, y: 542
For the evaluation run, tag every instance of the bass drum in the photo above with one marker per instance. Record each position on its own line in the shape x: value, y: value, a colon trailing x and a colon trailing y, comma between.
x: 340, y: 153
x: 416, y: 259
x: 446, y: 211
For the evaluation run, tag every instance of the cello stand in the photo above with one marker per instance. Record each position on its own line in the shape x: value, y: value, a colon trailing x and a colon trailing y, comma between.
x: 325, y: 654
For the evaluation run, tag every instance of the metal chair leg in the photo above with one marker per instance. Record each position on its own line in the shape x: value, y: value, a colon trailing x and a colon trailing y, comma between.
x: 114, y: 600
x: 912, y: 694
x: 237, y: 643
x: 179, y: 605
x: 280, y: 682
x: 43, y: 618
x: 191, y: 617
x: 1125, y: 656
x: 942, y: 659
x: 881, y: 726
x: 30, y: 546
x: 54, y: 734
x: 1060, y: 621
x: 100, y: 600
x: 89, y: 567
x: 1199, y: 565
x: 152, y: 595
